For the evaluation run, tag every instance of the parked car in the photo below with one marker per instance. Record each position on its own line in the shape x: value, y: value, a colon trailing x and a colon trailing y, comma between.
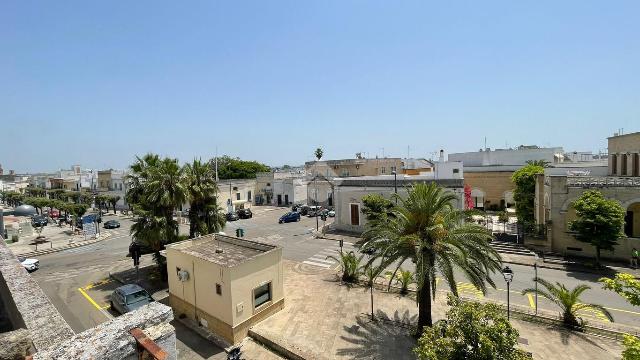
x: 244, y: 213
x: 289, y: 217
x: 30, y: 264
x: 112, y: 224
x: 54, y: 213
x: 296, y: 207
x: 303, y: 209
x: 314, y: 211
x: 129, y: 297
x: 232, y: 216
x: 332, y: 213
x: 39, y: 220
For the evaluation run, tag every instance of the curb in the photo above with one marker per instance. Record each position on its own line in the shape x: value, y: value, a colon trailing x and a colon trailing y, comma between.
x: 564, y: 268
x: 62, y: 248
x: 282, y: 348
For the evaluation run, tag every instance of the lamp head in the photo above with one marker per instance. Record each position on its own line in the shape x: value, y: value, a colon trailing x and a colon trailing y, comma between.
x: 508, y: 274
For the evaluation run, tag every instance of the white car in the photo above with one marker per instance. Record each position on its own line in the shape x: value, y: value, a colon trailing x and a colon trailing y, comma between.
x: 30, y: 264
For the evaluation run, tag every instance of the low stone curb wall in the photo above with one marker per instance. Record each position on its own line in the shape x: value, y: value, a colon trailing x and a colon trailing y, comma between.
x: 282, y: 347
x: 66, y: 247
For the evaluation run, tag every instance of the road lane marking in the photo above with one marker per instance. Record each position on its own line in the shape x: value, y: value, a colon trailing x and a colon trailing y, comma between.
x: 89, y: 298
x: 469, y: 289
x: 326, y: 266
x: 99, y: 283
x: 531, y: 302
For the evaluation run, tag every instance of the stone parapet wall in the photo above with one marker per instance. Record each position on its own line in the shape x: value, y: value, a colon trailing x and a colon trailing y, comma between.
x: 27, y: 305
x: 112, y: 340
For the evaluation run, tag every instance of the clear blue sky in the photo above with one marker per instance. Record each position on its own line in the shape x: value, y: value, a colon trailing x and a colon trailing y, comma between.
x: 97, y: 82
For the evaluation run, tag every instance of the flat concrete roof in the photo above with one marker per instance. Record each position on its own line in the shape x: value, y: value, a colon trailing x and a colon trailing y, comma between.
x: 234, y: 251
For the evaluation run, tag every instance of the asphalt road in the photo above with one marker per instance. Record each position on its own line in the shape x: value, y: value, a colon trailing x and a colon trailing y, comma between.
x: 76, y: 280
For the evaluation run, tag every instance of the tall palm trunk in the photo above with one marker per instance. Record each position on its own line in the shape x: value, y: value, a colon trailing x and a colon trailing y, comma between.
x: 424, y: 305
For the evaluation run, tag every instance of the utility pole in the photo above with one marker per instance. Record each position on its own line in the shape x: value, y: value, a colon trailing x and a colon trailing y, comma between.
x: 315, y: 184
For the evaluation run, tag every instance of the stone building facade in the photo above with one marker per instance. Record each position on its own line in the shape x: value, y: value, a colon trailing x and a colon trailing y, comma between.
x: 555, y: 194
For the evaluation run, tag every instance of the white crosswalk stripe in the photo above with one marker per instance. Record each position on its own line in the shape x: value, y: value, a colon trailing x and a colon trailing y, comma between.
x: 321, y: 258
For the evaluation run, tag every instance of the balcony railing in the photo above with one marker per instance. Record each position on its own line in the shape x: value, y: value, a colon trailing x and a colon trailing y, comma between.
x: 602, y: 181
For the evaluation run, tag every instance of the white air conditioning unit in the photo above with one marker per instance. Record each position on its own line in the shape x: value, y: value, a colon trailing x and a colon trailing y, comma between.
x: 183, y: 275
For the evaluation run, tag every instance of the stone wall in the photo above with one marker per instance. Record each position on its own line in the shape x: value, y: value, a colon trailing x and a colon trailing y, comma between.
x: 27, y: 305
x: 494, y: 184
x: 557, y: 212
x: 112, y: 340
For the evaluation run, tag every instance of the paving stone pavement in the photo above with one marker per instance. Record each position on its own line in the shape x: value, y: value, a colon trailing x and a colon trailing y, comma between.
x: 329, y: 319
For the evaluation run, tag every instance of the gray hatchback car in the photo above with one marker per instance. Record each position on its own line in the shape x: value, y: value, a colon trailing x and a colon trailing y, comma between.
x: 129, y: 297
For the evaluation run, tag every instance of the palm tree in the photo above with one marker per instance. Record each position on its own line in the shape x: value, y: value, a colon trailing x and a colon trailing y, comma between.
x: 427, y: 229
x: 567, y: 300
x: 165, y: 191
x: 151, y: 231
x: 139, y: 175
x: 404, y: 278
x: 205, y: 215
x: 349, y: 265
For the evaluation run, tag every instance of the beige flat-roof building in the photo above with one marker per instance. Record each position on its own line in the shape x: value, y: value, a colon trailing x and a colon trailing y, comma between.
x: 224, y: 283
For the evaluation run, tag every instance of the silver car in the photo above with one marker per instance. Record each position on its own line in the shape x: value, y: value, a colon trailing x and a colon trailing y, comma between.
x: 128, y: 298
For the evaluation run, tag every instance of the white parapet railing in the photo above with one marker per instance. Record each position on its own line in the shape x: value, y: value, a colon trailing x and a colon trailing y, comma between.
x: 602, y: 181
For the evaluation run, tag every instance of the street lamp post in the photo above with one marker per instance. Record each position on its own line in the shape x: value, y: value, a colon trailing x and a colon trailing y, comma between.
x: 508, y: 277
x: 535, y: 268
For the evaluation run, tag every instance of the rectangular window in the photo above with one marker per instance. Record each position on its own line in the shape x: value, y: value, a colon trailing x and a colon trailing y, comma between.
x: 237, y: 196
x: 355, y: 214
x: 261, y: 295
x: 456, y: 171
x: 383, y: 170
x: 218, y: 289
x: 249, y: 195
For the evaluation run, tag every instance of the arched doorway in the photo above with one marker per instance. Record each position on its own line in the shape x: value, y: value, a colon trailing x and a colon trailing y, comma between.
x: 632, y: 220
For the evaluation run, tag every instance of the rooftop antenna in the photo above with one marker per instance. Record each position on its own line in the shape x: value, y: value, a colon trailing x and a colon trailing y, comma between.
x: 485, y: 143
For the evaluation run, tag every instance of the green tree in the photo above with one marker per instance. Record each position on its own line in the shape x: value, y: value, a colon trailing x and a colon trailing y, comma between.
x: 102, y: 201
x: 541, y: 163
x: 525, y: 191
x: 567, y: 300
x: 318, y: 153
x: 113, y: 200
x: 599, y: 221
x: 473, y: 331
x: 376, y: 206
x: 625, y: 285
x: 631, y: 347
x: 205, y: 215
x: 427, y: 229
x: 234, y: 168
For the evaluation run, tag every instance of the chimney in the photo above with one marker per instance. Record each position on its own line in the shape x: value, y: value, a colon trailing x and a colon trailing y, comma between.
x: 441, y: 159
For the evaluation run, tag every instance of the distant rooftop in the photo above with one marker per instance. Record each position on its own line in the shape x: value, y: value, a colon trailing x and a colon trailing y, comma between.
x: 234, y: 251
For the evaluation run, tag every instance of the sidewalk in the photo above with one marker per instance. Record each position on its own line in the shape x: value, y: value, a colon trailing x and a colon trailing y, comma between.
x: 611, y: 268
x: 57, y: 239
x: 324, y: 319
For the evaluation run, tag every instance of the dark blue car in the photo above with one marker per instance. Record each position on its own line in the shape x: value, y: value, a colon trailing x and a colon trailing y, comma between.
x: 289, y: 217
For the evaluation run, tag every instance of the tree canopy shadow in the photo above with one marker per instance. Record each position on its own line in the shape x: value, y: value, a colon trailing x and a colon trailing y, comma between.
x: 384, y: 338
